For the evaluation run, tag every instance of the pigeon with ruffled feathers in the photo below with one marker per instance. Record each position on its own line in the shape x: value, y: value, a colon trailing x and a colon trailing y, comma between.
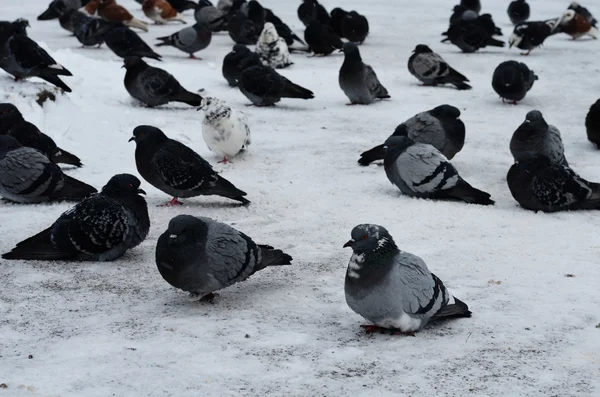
x: 431, y: 69
x: 535, y: 138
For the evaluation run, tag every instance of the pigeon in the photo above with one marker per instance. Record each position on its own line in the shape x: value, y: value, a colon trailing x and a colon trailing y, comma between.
x: 224, y: 129
x: 393, y: 289
x: 518, y: 11
x: 59, y: 9
x: 209, y: 15
x: 472, y: 35
x: 420, y: 170
x: 153, y: 86
x: 189, y: 40
x: 13, y: 124
x: 263, y: 86
x: 592, y: 124
x: 431, y: 69
x: 201, y: 256
x: 535, y: 138
x: 311, y: 10
x: 439, y: 127
x: 256, y: 13
x: 111, y: 11
x: 487, y: 23
x: 92, y: 31
x: 67, y: 19
x: 22, y: 57
x: 175, y: 169
x: 337, y: 16
x: 272, y: 49
x: 321, y: 39
x: 530, y: 35
x: 358, y: 80
x: 584, y: 12
x: 577, y: 25
x: 474, y: 5
x: 55, y: 8
x: 100, y: 228
x: 539, y: 184
x: 242, y: 30
x: 283, y: 30
x: 161, y: 12
x: 124, y: 42
x: 240, y: 56
x: 512, y: 80
x: 354, y: 27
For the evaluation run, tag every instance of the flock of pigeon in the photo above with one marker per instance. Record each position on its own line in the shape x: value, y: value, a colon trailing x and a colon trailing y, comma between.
x: 392, y: 289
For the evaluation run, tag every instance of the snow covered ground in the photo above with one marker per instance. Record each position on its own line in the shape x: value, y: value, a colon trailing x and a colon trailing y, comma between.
x: 118, y: 329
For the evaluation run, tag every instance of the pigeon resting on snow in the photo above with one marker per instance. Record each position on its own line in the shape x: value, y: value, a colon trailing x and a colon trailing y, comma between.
x: 420, y: 170
x: 263, y: 86
x: 224, y: 129
x: 239, y: 58
x: 201, y: 256
x: 358, y: 80
x: 209, y: 15
x: 518, y: 11
x: 439, y: 127
x: 124, y: 42
x: 472, y: 35
x: 321, y: 39
x: 311, y: 10
x: 577, y: 25
x: 394, y: 289
x: 28, y: 176
x: 530, y: 35
x: 592, y: 124
x: 539, y: 184
x: 100, y: 228
x: 512, y: 80
x: 189, y: 40
x: 431, y: 69
x: 153, y: 86
x: 272, y: 49
x: 175, y: 169
x: 535, y: 138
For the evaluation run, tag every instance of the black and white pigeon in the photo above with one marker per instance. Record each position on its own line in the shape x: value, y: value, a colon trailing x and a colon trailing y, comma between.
x: 202, y: 256
x: 177, y: 170
x: 263, y: 86
x: 211, y: 16
x: 539, y: 184
x: 124, y: 42
x: 439, y: 127
x: 535, y: 138
x: 592, y: 124
x: 393, y: 289
x: 512, y: 80
x: 100, y: 228
x: 530, y: 35
x: 354, y: 27
x: 153, y: 86
x: 321, y: 39
x: 311, y: 10
x: 272, y: 49
x: 234, y: 63
x: 13, y: 124
x: 189, y: 40
x: 420, y: 170
x: 282, y: 29
x: 518, y: 11
x: 431, y: 69
x: 358, y: 80
x: 242, y: 30
x: 472, y: 35
x: 92, y: 31
x: 29, y: 176
x: 474, y: 5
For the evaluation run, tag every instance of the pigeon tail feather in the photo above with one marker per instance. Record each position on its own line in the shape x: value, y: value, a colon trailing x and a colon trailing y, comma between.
x: 295, y: 91
x: 457, y: 309
x: 273, y: 257
x: 74, y: 190
x: 189, y: 97
x: 38, y: 247
x: 377, y: 153
x: 467, y: 193
x: 67, y: 158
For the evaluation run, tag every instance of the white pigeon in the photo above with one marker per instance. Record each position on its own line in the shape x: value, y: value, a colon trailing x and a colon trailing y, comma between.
x: 224, y: 129
x: 272, y: 49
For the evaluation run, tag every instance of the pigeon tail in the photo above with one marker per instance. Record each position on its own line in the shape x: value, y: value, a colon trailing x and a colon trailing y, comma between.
x: 167, y: 40
x: 456, y: 309
x: 74, y: 190
x: 136, y: 23
x: 467, y: 193
x: 188, y: 97
x: 52, y: 78
x: 494, y: 43
x: 377, y: 153
x: 226, y: 189
x: 273, y: 257
x: 461, y: 85
x: 146, y: 54
x: 295, y: 91
x: 38, y: 247
x: 64, y: 157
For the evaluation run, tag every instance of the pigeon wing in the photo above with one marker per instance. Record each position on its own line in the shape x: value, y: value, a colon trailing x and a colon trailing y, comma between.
x: 28, y: 54
x: 183, y: 169
x: 425, y: 170
x: 159, y: 84
x: 26, y: 171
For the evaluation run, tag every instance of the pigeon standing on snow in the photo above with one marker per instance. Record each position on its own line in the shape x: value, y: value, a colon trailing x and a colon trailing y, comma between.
x: 592, y: 124
x: 175, y: 169
x: 472, y: 35
x: 512, y: 80
x: 239, y: 58
x: 189, y: 40
x: 420, y: 170
x: 393, y: 289
x: 153, y: 86
x: 201, y: 256
x: 321, y: 39
x: 358, y: 80
x: 431, y: 69
x: 439, y: 127
x: 272, y: 49
x: 263, y: 86
x: 529, y: 35
x: 518, y: 11
x: 28, y: 176
x: 209, y: 15
x: 577, y: 25
x: 100, y: 228
x: 535, y: 138
x: 124, y: 42
x: 311, y: 10
x: 224, y: 129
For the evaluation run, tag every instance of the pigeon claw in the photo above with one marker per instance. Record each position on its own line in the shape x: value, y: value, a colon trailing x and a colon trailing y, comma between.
x: 371, y: 329
x: 192, y: 56
x: 172, y: 203
x: 224, y: 161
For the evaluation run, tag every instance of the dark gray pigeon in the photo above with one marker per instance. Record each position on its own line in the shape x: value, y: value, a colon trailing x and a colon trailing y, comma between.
x: 153, y: 86
x: 211, y: 16
x: 592, y: 124
x: 235, y: 62
x: 175, y: 169
x: 263, y: 86
x: 535, y: 138
x: 322, y: 39
x: 393, y: 289
x: 420, y: 170
x: 512, y: 80
x: 311, y: 10
x: 201, y: 256
x: 472, y: 35
x: 100, y: 228
x: 518, y: 11
x: 431, y: 69
x: 92, y: 31
x: 242, y: 30
x: 8, y: 28
x: 439, y: 127
x: 358, y: 80
x: 29, y: 176
x: 124, y: 42
x: 538, y: 184
x: 189, y: 40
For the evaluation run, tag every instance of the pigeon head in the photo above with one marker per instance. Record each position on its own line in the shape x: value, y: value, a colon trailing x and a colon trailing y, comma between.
x: 422, y: 49
x: 8, y: 143
x: 203, y: 3
x: 146, y: 134
x: 397, y: 143
x: 123, y: 185
x: 9, y: 116
x: 132, y: 62
x: 351, y: 51
x: 269, y: 34
x: 459, y: 8
x: 186, y: 230
x: 20, y: 26
x: 533, y: 124
x: 54, y: 10
x: 210, y: 103
x: 534, y: 115
x: 338, y: 13
x: 445, y: 111
x: 241, y: 49
x: 368, y: 238
x: 567, y: 17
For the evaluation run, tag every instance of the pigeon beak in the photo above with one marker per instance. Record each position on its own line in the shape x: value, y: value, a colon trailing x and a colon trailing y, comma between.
x: 141, y: 191
x: 349, y: 243
x: 131, y: 139
x: 173, y: 236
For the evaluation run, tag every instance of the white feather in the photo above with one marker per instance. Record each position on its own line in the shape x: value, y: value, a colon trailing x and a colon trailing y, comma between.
x: 224, y: 129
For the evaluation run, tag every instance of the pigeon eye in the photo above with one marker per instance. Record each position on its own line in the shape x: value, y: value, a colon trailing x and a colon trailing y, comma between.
x: 366, y: 236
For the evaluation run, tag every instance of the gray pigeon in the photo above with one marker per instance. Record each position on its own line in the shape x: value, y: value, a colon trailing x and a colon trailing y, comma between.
x: 535, y: 138
x: 393, y: 289
x: 202, y: 256
x: 358, y: 80
x: 431, y: 69
x: 100, y: 228
x: 211, y: 16
x: 420, y: 170
x: 440, y: 127
x: 189, y: 40
x: 28, y: 176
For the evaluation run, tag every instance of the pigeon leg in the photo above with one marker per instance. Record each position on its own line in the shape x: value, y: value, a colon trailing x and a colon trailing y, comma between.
x: 514, y: 102
x: 369, y: 328
x: 210, y: 298
x: 526, y: 53
x: 351, y: 104
x: 224, y: 161
x: 171, y: 203
x: 192, y: 56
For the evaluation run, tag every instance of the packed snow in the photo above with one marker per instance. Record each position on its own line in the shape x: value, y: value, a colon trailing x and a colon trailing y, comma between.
x: 531, y: 280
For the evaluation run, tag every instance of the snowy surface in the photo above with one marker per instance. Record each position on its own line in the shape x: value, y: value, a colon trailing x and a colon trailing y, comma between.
x: 118, y: 329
